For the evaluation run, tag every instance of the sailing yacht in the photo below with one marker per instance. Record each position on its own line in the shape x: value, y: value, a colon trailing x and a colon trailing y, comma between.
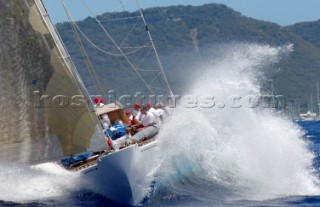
x: 310, y: 115
x: 50, y: 116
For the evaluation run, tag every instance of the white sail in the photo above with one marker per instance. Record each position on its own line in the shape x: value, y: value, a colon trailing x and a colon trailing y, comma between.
x: 44, y: 105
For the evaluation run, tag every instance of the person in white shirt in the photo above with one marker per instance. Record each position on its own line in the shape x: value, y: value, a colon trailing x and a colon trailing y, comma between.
x: 147, y: 118
x: 149, y: 106
x: 165, y: 111
x: 157, y: 113
x: 147, y: 128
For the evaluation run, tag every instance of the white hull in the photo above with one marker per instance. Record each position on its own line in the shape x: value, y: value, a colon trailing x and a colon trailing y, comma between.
x: 309, y: 116
x: 124, y: 176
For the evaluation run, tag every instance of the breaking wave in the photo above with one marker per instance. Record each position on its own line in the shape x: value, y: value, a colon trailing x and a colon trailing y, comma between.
x: 224, y: 152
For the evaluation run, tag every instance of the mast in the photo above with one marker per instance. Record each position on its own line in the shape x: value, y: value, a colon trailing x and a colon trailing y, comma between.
x: 166, y: 83
x: 311, y: 104
x: 318, y: 99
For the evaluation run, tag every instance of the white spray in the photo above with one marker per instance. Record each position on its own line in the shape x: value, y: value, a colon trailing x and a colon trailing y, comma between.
x: 252, y: 152
x: 21, y: 183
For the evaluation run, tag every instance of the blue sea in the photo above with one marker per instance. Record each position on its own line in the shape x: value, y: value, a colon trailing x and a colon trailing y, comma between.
x: 192, y: 190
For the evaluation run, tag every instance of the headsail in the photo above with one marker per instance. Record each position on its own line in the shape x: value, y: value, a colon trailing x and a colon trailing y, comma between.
x: 33, y: 63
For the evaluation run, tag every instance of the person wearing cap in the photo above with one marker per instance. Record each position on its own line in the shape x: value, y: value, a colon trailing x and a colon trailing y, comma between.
x: 149, y: 106
x: 136, y: 111
x: 131, y: 118
x: 99, y: 102
x: 129, y: 115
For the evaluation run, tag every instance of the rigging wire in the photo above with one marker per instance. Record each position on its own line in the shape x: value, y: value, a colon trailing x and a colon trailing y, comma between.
x: 155, y: 77
x: 155, y: 51
x: 126, y: 37
x: 122, y: 5
x: 92, y: 71
x: 118, y: 19
x: 143, y: 59
x: 124, y: 55
x: 121, y: 47
x: 100, y: 49
x: 147, y: 70
x: 96, y: 80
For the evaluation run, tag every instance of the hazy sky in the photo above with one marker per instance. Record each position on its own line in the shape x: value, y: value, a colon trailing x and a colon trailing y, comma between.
x: 283, y: 12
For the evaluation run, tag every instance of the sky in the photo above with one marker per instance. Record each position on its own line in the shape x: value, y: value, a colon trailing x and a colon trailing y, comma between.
x: 283, y: 12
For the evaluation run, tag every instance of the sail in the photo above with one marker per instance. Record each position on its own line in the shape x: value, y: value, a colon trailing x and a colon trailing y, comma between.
x: 44, y: 112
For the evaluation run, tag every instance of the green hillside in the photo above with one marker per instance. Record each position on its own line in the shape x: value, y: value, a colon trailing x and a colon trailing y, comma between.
x: 309, y: 31
x: 182, y: 33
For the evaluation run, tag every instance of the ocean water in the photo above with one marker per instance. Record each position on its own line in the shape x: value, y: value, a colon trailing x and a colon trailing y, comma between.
x: 235, y: 152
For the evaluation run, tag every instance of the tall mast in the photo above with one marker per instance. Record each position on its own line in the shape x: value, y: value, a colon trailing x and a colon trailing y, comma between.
x: 318, y: 97
x: 166, y: 83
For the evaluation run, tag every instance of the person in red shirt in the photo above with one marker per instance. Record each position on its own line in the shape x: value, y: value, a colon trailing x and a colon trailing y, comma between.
x: 133, y: 122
